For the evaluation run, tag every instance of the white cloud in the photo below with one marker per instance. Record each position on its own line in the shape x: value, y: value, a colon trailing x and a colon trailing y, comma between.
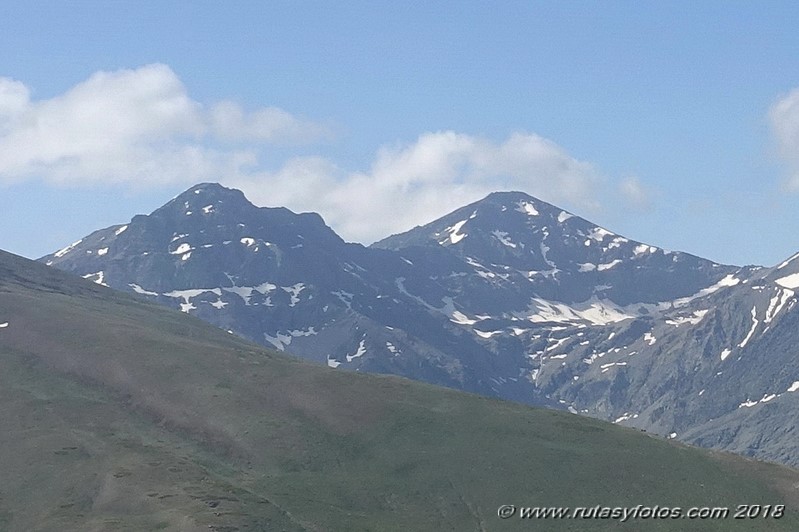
x: 413, y: 184
x: 142, y: 128
x: 784, y: 119
x: 270, y: 124
x: 130, y: 126
x: 635, y: 193
x: 14, y: 98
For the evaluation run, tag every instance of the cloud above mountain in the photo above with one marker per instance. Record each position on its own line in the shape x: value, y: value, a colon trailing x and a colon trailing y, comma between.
x: 784, y: 120
x: 142, y: 128
x: 137, y: 126
x: 410, y: 184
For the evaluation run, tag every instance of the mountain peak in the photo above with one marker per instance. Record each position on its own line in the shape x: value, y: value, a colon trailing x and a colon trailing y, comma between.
x: 506, y: 212
x: 512, y: 198
x: 211, y: 188
x: 508, y: 195
x: 206, y: 198
x: 213, y: 192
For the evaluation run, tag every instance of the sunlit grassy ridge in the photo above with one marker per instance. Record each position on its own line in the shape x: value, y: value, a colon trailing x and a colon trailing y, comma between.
x: 118, y: 414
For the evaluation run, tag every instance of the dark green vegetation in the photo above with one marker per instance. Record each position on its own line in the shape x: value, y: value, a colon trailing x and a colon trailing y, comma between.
x: 117, y: 414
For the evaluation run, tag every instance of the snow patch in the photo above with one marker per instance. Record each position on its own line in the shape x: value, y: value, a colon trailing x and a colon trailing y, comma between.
x: 617, y: 242
x: 282, y: 340
x: 693, y: 319
x: 557, y: 343
x: 544, y: 254
x: 609, y: 265
x: 360, y: 352
x: 599, y: 234
x: 294, y: 290
x: 5, y: 324
x: 787, y: 262
x: 650, y: 339
x: 752, y: 330
x: 247, y: 241
x: 789, y: 281
x: 245, y: 292
x: 97, y: 277
x: 460, y: 318
x: 121, y: 230
x: 182, y: 249
x: 725, y: 354
x: 502, y: 236
x: 625, y: 417
x: 643, y: 248
x: 595, y: 311
x: 61, y: 252
x: 527, y: 208
x: 605, y: 367
x: 186, y: 295
x: 310, y: 331
x: 765, y: 399
x: 729, y: 280
x: 793, y: 388
x: 346, y: 297
x: 101, y: 252
x: 454, y: 235
x: 563, y: 216
x: 332, y: 363
x: 139, y: 290
x: 776, y: 304
x: 587, y: 267
x: 279, y: 340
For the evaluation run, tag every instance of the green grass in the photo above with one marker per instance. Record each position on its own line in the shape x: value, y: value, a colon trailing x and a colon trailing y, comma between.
x: 120, y: 415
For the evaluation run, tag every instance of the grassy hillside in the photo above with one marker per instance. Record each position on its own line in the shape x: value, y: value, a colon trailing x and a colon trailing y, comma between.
x: 121, y: 415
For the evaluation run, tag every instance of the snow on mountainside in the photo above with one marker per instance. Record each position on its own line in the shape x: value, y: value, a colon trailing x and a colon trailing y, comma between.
x: 510, y: 238
x: 509, y: 296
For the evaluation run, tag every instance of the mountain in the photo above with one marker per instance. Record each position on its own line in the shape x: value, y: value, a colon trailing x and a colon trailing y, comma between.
x: 287, y: 281
x: 521, y: 243
x: 509, y: 297
x: 119, y: 414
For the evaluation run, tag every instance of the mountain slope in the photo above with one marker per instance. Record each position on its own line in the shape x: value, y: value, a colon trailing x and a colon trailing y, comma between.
x: 287, y: 281
x: 122, y: 415
x: 558, y: 256
x: 509, y: 297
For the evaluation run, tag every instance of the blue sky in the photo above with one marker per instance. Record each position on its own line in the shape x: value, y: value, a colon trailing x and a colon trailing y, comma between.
x: 672, y: 123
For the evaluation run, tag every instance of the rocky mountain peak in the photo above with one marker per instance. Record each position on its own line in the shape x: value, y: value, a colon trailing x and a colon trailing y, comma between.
x: 205, y: 199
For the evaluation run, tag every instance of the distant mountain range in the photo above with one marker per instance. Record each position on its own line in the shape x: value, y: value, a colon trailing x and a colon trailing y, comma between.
x: 509, y: 297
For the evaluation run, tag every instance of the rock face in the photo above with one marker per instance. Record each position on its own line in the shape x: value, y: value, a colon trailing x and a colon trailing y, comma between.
x: 509, y: 297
